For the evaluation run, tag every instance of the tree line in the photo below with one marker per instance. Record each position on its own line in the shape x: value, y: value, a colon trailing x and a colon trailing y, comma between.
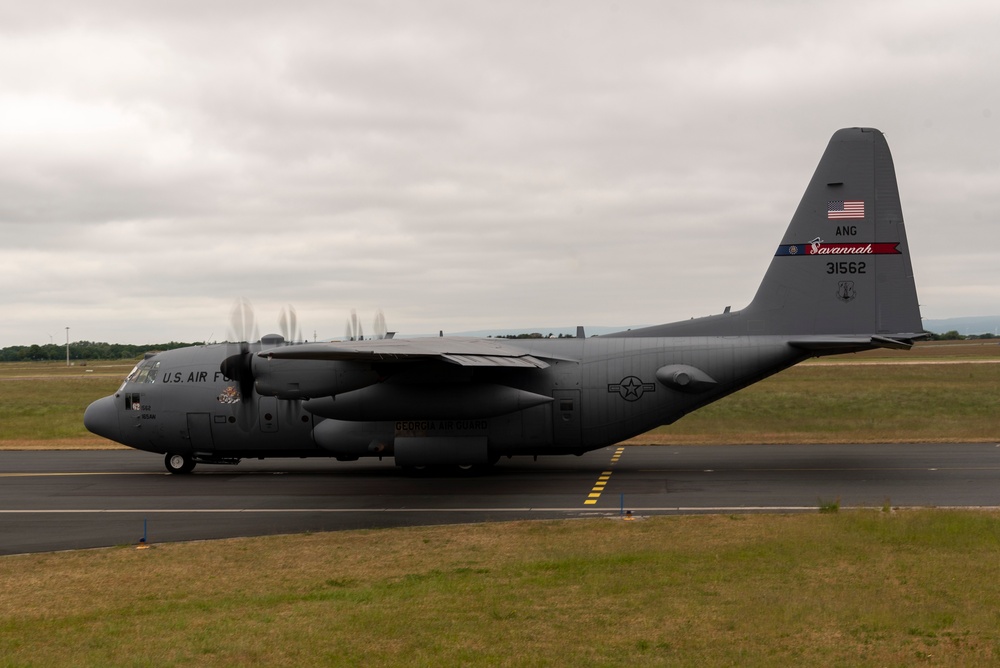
x: 953, y: 335
x: 84, y: 350
x: 91, y: 350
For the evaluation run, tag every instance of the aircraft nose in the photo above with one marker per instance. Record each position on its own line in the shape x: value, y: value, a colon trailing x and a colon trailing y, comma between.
x: 101, y: 418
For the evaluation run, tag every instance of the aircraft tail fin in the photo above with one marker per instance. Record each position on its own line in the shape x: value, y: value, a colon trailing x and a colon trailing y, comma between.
x: 841, y: 277
x: 843, y: 266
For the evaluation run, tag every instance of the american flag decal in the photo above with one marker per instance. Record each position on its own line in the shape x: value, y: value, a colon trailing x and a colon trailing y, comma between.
x: 839, y: 209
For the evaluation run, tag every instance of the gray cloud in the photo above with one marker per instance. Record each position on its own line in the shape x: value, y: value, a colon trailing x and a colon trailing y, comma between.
x: 466, y: 165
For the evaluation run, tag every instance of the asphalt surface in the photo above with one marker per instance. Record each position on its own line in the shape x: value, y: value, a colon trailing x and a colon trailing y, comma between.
x: 59, y: 500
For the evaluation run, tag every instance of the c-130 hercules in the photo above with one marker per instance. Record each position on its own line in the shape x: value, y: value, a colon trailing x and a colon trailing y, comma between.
x: 840, y: 281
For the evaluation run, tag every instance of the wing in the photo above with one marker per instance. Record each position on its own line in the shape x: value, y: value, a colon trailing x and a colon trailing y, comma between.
x: 314, y: 370
x: 467, y: 352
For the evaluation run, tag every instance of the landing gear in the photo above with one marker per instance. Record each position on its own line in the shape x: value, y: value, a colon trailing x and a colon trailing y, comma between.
x: 178, y: 464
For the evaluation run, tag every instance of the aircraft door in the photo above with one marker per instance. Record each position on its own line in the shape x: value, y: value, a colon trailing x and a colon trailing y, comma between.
x: 200, y: 432
x: 566, y: 417
x: 268, y: 414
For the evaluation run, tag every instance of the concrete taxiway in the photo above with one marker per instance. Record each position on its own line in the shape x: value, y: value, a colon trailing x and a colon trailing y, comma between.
x: 56, y: 500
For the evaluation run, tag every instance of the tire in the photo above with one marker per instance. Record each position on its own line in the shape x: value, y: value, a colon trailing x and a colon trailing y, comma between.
x: 178, y: 464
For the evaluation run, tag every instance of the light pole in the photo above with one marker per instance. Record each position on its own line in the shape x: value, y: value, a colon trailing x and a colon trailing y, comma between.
x: 67, y: 346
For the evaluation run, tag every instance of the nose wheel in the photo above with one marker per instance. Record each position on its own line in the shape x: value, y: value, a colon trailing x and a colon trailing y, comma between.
x: 179, y: 464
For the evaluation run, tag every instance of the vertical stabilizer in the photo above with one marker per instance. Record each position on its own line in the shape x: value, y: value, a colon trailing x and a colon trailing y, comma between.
x: 843, y: 266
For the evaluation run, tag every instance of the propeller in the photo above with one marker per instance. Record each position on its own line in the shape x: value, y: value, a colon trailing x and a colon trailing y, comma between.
x: 380, y: 328
x: 354, y: 332
x: 239, y: 361
x: 242, y: 322
x: 288, y: 323
x: 237, y: 365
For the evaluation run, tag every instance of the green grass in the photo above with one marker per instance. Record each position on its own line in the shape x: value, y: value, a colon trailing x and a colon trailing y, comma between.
x: 818, y: 403
x: 853, y: 588
x: 45, y: 401
x: 836, y: 588
x: 940, y: 394
x: 34, y: 409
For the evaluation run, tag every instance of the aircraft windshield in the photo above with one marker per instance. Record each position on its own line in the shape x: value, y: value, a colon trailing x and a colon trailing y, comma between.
x: 144, y: 372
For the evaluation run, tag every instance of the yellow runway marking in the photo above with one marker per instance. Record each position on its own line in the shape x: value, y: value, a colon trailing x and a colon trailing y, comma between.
x: 602, y: 481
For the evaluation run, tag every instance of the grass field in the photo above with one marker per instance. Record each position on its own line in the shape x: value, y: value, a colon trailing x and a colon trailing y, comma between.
x: 42, y: 403
x: 864, y: 588
x: 938, y: 392
x: 944, y: 391
x: 864, y: 403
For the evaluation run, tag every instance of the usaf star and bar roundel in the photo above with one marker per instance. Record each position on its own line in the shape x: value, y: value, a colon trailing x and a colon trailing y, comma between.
x: 631, y: 388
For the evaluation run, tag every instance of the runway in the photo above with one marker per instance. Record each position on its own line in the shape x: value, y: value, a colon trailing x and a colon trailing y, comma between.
x: 59, y: 500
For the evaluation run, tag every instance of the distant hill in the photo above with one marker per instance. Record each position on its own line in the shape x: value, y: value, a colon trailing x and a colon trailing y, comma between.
x: 980, y: 324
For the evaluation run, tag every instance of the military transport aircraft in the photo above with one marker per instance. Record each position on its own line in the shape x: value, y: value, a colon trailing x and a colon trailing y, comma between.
x: 840, y: 281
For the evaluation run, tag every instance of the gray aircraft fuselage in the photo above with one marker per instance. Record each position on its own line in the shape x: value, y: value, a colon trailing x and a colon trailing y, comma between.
x: 832, y: 287
x: 602, y: 390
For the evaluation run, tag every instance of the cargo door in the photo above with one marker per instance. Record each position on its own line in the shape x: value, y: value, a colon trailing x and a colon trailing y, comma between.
x: 200, y: 432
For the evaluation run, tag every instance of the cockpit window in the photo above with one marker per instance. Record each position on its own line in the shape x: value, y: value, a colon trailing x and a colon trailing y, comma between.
x: 132, y: 374
x: 144, y: 372
x: 148, y: 375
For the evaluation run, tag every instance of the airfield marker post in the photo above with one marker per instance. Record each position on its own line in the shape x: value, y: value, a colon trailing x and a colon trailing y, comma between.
x: 144, y: 541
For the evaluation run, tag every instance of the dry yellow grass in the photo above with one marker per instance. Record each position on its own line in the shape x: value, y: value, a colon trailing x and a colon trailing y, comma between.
x: 860, y: 588
x: 81, y: 443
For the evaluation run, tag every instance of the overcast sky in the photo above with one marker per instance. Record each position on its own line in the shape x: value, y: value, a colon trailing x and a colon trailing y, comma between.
x: 466, y: 165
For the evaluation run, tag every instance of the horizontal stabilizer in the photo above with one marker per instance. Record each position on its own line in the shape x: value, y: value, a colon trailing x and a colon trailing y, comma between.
x: 898, y: 343
x: 831, y: 345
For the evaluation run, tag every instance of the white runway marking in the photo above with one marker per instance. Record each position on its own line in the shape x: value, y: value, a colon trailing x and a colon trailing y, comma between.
x: 576, y: 511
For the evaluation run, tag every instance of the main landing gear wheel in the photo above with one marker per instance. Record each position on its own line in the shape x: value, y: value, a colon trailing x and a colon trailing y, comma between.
x: 178, y: 464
